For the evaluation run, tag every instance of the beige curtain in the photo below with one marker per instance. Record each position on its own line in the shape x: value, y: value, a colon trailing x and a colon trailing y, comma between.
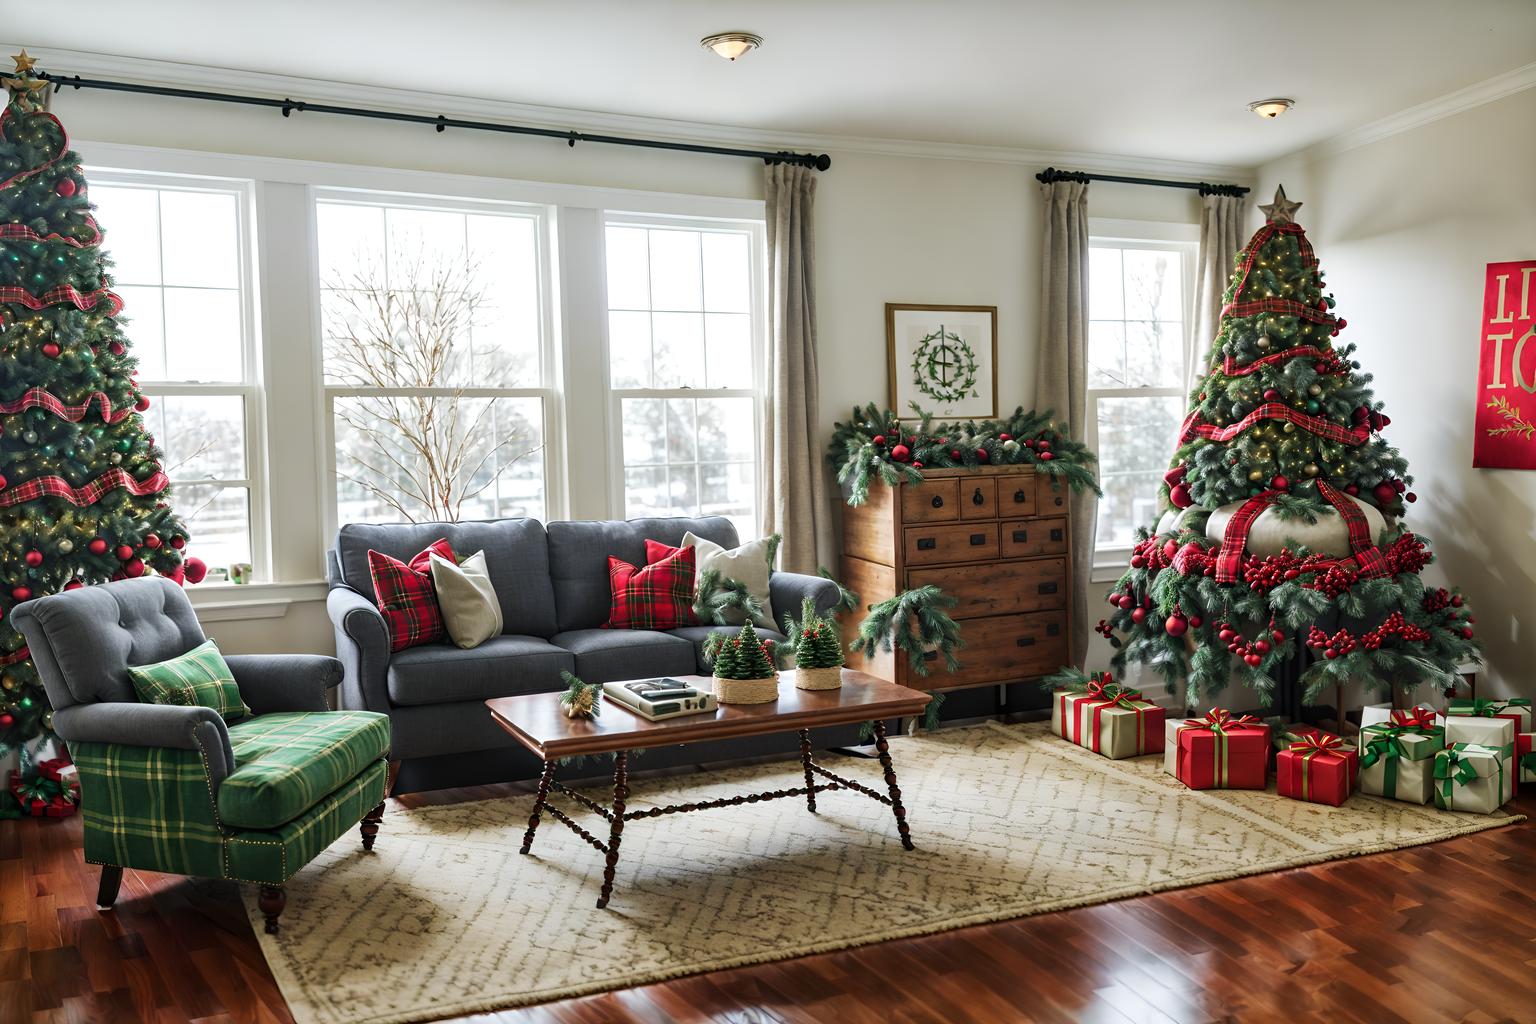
x: 1062, y: 381
x: 795, y: 483
x: 1221, y: 236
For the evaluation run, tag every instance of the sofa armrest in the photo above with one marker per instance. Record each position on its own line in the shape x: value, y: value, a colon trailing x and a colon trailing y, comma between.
x: 362, y: 645
x: 150, y: 725
x: 284, y: 682
x: 788, y: 590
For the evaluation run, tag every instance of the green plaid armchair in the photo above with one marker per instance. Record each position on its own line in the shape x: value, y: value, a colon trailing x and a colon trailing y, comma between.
x: 176, y: 789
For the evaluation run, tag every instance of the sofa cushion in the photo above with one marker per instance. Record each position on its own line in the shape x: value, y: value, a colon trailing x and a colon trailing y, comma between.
x: 579, y: 552
x: 696, y: 635
x: 406, y: 598
x: 287, y: 763
x: 606, y: 655
x: 503, y: 666
x: 198, y: 678
x: 471, y: 610
x: 516, y: 557
x: 658, y: 596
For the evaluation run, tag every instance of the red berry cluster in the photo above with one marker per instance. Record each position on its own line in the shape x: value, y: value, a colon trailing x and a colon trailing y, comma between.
x: 1154, y: 553
x: 1334, y: 580
x: 1267, y: 573
x: 1343, y: 641
x: 1437, y: 599
x: 1104, y: 629
x: 1408, y: 554
x: 1251, y: 651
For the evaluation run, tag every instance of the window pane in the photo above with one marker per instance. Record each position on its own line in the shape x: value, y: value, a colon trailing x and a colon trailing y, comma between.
x: 645, y: 433
x: 200, y: 238
x: 1106, y: 354
x: 1104, y: 297
x: 680, y: 431
x: 727, y: 272
x: 144, y: 325
x: 1130, y: 500
x: 203, y: 435
x: 645, y: 493
x: 629, y: 275
x: 728, y: 489
x: 203, y: 335
x: 675, y: 271
x: 727, y: 429
x: 679, y: 349
x: 430, y: 239
x: 218, y: 521
x: 1153, y: 285
x: 1137, y: 434
x: 728, y: 350
x: 504, y: 271
x: 629, y: 349
x: 1152, y: 354
x: 351, y: 239
x: 421, y: 459
x: 129, y: 219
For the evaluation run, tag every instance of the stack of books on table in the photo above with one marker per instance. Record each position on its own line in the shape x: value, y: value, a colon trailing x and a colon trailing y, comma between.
x: 655, y: 699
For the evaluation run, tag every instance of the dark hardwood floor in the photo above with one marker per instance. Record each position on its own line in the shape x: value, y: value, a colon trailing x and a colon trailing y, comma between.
x: 1444, y: 932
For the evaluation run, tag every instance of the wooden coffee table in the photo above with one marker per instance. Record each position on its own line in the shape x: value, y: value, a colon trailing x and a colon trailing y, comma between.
x: 539, y: 723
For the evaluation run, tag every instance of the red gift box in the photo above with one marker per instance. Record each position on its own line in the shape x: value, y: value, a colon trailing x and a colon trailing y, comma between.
x: 47, y: 794
x: 1223, y: 751
x: 1318, y: 768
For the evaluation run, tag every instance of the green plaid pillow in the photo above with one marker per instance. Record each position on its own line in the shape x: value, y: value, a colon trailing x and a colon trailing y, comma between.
x: 199, y: 678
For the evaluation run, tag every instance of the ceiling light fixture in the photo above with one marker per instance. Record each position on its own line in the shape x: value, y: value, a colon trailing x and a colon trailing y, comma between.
x: 731, y: 45
x: 1271, y: 109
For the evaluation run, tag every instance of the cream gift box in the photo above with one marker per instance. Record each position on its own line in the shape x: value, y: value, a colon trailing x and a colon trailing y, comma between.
x: 1114, y: 722
x: 1472, y: 777
x: 1397, y: 760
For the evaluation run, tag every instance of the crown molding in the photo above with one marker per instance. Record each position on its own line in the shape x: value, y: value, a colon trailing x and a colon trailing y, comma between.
x: 1449, y: 105
x: 194, y: 76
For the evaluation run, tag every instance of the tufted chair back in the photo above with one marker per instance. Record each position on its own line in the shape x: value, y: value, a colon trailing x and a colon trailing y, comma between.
x: 82, y: 641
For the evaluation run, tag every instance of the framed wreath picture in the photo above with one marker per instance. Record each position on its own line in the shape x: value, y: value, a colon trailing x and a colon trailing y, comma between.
x: 944, y: 358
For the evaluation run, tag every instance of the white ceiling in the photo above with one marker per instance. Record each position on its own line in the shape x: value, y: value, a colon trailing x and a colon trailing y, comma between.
x: 1166, y: 79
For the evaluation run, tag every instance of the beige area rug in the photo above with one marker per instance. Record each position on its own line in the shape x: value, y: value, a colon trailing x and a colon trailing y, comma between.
x: 446, y: 918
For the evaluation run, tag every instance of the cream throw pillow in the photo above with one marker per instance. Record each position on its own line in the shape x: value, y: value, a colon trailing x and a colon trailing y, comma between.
x: 748, y: 564
x: 464, y: 593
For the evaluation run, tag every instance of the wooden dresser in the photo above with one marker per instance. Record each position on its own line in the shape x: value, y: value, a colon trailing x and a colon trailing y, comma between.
x: 994, y: 538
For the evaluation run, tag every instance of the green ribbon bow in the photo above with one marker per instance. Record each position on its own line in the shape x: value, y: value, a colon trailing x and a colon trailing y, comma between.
x: 1452, y: 769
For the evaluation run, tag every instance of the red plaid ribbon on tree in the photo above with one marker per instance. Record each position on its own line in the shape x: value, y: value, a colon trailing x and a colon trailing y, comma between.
x: 90, y: 494
x: 40, y: 398
x: 1285, y: 307
x: 1229, y: 558
x: 1368, y: 558
x: 1274, y: 411
x: 33, y: 171
x: 20, y: 232
x: 63, y: 293
x: 19, y: 655
x: 1231, y: 369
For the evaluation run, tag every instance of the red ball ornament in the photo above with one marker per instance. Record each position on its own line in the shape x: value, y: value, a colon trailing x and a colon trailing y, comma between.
x: 1466, y: 633
x: 51, y: 350
x: 1005, y: 437
x: 1046, y: 456
x: 124, y: 552
x: 66, y: 187
x: 1176, y: 625
x: 97, y: 546
x: 133, y: 568
x: 1029, y: 442
x: 178, y: 542
x: 1456, y: 601
x: 1279, y: 482
x: 879, y: 439
x: 21, y: 593
x: 1411, y: 496
x: 141, y: 403
x: 1195, y: 622
x: 1043, y: 445
x: 1385, y: 493
x: 899, y: 453
x: 954, y: 453
x: 34, y: 558
x: 1180, y: 496
x: 195, y: 569
x: 1138, y: 615
x: 917, y: 465
x: 981, y: 455
x: 1271, y: 395
x: 73, y: 585
x: 116, y: 348
x: 6, y: 721
x: 152, y: 541
x: 3, y: 481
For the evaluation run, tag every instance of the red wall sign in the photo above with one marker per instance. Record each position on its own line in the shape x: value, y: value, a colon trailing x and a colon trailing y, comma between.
x: 1505, y: 435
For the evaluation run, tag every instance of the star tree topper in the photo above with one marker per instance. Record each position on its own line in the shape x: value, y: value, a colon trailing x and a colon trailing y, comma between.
x: 1282, y: 210
x: 23, y: 84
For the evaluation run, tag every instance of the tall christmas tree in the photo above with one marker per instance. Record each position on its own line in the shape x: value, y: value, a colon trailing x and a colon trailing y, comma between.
x: 82, y: 491
x: 1283, y: 509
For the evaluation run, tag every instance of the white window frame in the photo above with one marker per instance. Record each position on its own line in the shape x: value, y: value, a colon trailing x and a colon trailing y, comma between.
x: 549, y: 346
x: 1109, y: 561
x: 756, y: 230
x: 249, y: 389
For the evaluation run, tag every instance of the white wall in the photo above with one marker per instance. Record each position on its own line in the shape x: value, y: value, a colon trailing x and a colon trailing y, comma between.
x: 889, y: 229
x: 1403, y: 228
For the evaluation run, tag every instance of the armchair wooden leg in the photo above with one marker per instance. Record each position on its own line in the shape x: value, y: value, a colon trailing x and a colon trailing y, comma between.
x: 369, y: 826
x: 389, y: 780
x: 271, y: 901
x: 106, y: 893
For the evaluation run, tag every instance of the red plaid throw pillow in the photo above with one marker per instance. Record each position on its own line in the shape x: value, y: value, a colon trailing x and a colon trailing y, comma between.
x: 405, y: 596
x: 655, y: 551
x: 660, y: 596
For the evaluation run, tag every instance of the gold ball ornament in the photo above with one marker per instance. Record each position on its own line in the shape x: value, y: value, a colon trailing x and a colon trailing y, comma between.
x: 8, y: 682
x: 1310, y: 469
x: 1256, y: 475
x: 1289, y: 428
x: 1314, y: 390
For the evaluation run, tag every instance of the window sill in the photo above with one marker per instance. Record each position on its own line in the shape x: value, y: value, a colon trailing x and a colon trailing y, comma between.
x: 228, y: 602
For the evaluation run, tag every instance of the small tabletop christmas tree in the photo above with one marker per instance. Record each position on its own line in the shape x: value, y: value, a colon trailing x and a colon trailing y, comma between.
x: 1285, y: 502
x: 82, y: 491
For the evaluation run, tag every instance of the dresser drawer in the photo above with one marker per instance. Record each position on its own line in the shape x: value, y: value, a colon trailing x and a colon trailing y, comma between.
x: 958, y: 542
x: 978, y: 499
x: 1025, y: 537
x: 1016, y: 495
x: 1000, y: 588
x: 1052, y: 499
x: 1002, y: 648
x: 932, y: 501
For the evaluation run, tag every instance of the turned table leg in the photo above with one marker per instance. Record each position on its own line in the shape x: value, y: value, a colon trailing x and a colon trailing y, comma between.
x: 884, y: 750
x: 616, y: 832
x: 538, y: 804
x: 106, y: 893
x: 271, y: 901
x: 805, y: 762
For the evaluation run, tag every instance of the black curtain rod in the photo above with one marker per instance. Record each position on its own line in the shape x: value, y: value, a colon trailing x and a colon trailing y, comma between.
x: 817, y: 161
x: 1205, y: 188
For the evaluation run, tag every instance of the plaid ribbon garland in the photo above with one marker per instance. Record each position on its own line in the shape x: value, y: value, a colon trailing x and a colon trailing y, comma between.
x: 1316, y: 425
x: 39, y: 398
x: 12, y: 658
x: 22, y: 233
x: 1231, y: 369
x: 90, y: 494
x: 7, y: 116
x: 82, y: 301
x: 1367, y: 556
x: 1229, y: 557
x: 1285, y: 307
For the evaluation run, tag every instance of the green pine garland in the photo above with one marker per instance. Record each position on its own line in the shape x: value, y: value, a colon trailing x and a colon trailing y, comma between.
x: 888, y: 626
x: 716, y: 597
x: 865, y: 448
x: 847, y: 600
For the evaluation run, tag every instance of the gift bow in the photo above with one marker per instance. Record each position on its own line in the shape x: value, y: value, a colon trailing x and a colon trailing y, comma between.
x: 1319, y: 743
x: 1452, y: 770
x: 1422, y: 719
x: 1385, y: 744
x: 1221, y: 720
x: 1113, y: 693
x: 1488, y: 707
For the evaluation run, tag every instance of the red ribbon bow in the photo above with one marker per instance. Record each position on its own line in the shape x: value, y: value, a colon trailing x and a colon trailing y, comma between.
x: 1319, y: 742
x: 1418, y: 718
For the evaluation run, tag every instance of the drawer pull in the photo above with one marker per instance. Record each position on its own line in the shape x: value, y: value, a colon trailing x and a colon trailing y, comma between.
x: 1055, y: 535
x: 1048, y: 588
x: 1018, y: 496
x: 978, y: 539
x: 938, y: 501
x: 930, y: 655
x: 1053, y: 630
x: 1058, y: 502
x: 927, y: 543
x: 1020, y: 536
x: 977, y: 499
x: 1025, y: 641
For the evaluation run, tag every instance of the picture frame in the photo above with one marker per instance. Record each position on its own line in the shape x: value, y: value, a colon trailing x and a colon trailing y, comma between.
x: 942, y: 357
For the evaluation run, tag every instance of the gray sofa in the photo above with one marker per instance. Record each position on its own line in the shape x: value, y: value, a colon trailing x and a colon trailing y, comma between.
x: 552, y: 583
